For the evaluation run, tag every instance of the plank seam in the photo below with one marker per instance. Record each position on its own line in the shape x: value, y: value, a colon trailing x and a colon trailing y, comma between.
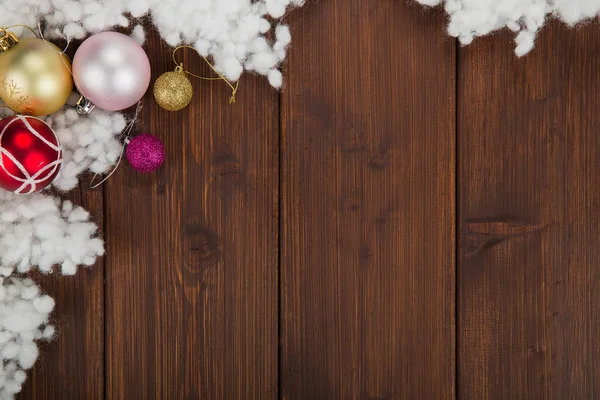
x: 104, y: 313
x: 279, y: 249
x: 456, y: 222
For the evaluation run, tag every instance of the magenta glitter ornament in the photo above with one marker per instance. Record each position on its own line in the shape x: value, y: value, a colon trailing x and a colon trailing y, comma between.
x: 111, y: 70
x: 145, y: 153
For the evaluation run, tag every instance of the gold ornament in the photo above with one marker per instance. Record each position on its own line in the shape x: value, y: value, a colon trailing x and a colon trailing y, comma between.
x: 35, y: 75
x: 173, y: 90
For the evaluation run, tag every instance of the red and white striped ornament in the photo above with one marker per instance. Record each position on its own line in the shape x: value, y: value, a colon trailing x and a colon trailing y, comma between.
x: 30, y: 154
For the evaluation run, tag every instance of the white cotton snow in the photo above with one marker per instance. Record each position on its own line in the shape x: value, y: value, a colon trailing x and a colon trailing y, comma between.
x: 40, y: 231
x: 472, y: 18
x: 24, y: 313
x: 232, y: 32
x: 89, y: 143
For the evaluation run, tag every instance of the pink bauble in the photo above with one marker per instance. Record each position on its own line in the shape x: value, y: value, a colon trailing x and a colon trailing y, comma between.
x: 111, y: 70
x: 30, y: 154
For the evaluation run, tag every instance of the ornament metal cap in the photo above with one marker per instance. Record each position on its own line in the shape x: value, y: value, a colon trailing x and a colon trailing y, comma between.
x: 7, y: 40
x: 84, y: 106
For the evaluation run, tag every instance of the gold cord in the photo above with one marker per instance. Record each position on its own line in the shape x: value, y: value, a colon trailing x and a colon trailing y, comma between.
x: 19, y: 26
x: 48, y: 44
x: 234, y: 89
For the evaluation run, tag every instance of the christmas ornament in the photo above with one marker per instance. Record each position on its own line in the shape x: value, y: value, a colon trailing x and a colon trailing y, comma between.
x: 111, y: 71
x: 173, y: 90
x: 35, y: 75
x: 145, y: 153
x: 30, y: 154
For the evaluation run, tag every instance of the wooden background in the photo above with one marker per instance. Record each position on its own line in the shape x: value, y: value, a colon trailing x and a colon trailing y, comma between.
x: 407, y: 219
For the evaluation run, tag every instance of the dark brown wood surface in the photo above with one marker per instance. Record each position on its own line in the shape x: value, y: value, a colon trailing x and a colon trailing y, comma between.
x: 191, y: 288
x: 407, y: 219
x: 367, y: 259
x: 529, y: 156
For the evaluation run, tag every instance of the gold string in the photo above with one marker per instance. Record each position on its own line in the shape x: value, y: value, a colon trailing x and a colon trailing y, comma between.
x: 41, y: 35
x: 18, y: 26
x: 63, y: 52
x: 234, y: 89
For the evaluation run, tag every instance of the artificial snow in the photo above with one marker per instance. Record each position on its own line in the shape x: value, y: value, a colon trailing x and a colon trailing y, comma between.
x: 24, y: 313
x: 36, y: 231
x: 472, y: 18
x: 90, y: 143
x: 40, y: 231
x: 232, y: 32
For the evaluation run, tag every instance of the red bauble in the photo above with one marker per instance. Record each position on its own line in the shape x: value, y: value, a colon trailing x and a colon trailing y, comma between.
x: 30, y: 154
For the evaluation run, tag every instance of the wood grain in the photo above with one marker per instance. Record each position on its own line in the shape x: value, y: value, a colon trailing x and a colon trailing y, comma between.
x: 529, y: 257
x: 192, y: 258
x: 368, y: 203
x: 71, y: 366
x: 308, y: 250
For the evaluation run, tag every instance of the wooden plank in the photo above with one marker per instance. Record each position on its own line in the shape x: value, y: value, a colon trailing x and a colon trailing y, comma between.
x: 368, y: 203
x: 71, y: 366
x: 192, y: 258
x: 529, y: 256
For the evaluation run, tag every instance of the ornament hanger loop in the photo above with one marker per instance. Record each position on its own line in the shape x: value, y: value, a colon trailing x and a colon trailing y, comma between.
x: 127, y: 137
x: 18, y: 26
x: 84, y: 106
x: 61, y: 52
x: 179, y: 67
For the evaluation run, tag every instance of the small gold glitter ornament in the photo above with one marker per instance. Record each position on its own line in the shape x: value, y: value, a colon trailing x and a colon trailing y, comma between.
x: 35, y: 75
x: 173, y: 90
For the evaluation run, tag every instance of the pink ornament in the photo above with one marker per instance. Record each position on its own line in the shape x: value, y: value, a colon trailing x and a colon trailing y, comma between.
x: 30, y: 154
x: 111, y: 70
x: 145, y: 153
